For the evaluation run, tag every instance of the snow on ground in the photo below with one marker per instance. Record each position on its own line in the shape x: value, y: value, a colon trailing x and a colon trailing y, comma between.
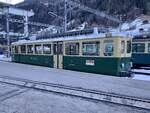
x: 141, y: 77
x: 125, y: 86
x: 4, y: 58
x: 141, y: 70
x: 1, y: 57
x: 33, y: 101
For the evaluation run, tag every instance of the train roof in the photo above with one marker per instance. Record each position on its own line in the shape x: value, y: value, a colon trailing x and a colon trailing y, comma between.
x: 90, y: 35
x: 47, y: 35
x: 142, y: 37
x: 145, y: 36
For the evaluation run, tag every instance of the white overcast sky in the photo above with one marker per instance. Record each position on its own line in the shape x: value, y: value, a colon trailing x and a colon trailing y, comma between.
x: 11, y: 1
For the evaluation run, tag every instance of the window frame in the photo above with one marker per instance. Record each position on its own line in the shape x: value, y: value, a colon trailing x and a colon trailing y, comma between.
x: 36, y: 50
x: 32, y: 47
x: 21, y: 49
x: 137, y: 48
x: 129, y: 46
x: 123, y: 47
x: 93, y: 43
x: 77, y: 49
x: 44, y: 52
x: 108, y: 54
x: 16, y: 49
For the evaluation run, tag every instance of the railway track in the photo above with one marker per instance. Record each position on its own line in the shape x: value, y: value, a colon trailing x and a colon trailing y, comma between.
x: 78, y: 92
x: 143, y: 73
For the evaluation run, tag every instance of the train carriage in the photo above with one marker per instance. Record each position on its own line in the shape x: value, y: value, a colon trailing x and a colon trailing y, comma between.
x: 141, y: 51
x: 99, y: 54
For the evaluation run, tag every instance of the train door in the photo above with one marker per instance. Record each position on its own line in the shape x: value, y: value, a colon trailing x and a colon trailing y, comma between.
x: 58, y: 54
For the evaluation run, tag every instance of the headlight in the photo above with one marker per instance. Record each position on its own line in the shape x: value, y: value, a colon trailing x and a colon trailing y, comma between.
x: 122, y: 65
x: 131, y: 64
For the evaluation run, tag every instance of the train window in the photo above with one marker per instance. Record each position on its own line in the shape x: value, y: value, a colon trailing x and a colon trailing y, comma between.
x: 72, y: 48
x: 108, y: 49
x: 38, y: 49
x: 60, y: 48
x: 128, y: 46
x: 139, y: 47
x: 149, y: 48
x: 122, y: 47
x: 30, y: 49
x: 23, y: 48
x: 134, y: 48
x: 16, y: 49
x: 55, y: 49
x: 91, y: 48
x: 47, y: 49
x: 13, y: 49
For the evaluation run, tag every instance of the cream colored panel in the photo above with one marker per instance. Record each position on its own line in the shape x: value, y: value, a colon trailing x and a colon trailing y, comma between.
x: 60, y: 61
x: 55, y: 61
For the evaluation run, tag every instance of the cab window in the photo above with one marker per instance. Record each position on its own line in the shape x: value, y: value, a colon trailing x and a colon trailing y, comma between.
x: 46, y: 48
x: 91, y: 48
x: 72, y: 48
x: 138, y: 48
x: 122, y: 47
x: 108, y: 49
x: 129, y: 47
x: 30, y: 49
x: 23, y: 48
x: 38, y: 49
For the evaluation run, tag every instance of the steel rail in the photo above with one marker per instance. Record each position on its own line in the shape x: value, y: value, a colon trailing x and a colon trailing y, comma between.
x: 131, y: 101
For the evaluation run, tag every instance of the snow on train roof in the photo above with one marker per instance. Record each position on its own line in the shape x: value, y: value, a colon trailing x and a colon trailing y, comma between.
x: 77, y: 37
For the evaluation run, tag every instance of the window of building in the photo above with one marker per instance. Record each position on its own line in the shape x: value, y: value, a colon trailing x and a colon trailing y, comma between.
x: 38, y: 49
x: 91, y: 48
x: 108, y: 49
x: 30, y: 49
x: 72, y: 48
x: 23, y: 48
x: 138, y: 48
x: 46, y: 48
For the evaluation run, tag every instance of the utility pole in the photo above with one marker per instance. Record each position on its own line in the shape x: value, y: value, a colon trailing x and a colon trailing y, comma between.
x: 65, y: 16
x: 7, y: 31
x: 26, y: 29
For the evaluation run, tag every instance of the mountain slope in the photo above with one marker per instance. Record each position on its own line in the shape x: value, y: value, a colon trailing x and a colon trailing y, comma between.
x: 125, y: 9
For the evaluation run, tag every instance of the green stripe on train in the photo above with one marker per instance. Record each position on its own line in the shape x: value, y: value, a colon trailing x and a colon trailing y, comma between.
x: 109, y: 66
x: 40, y: 60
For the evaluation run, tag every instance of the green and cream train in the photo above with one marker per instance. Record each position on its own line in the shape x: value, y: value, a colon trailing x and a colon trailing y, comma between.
x: 93, y: 53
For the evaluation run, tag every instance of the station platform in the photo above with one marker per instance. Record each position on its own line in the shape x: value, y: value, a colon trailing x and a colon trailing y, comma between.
x: 123, y: 86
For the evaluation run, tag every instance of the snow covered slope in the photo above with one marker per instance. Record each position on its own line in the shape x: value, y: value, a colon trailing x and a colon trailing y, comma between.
x: 140, y: 25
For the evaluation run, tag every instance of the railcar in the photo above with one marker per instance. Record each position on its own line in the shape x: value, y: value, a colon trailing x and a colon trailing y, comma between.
x: 93, y: 53
x: 141, y: 51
